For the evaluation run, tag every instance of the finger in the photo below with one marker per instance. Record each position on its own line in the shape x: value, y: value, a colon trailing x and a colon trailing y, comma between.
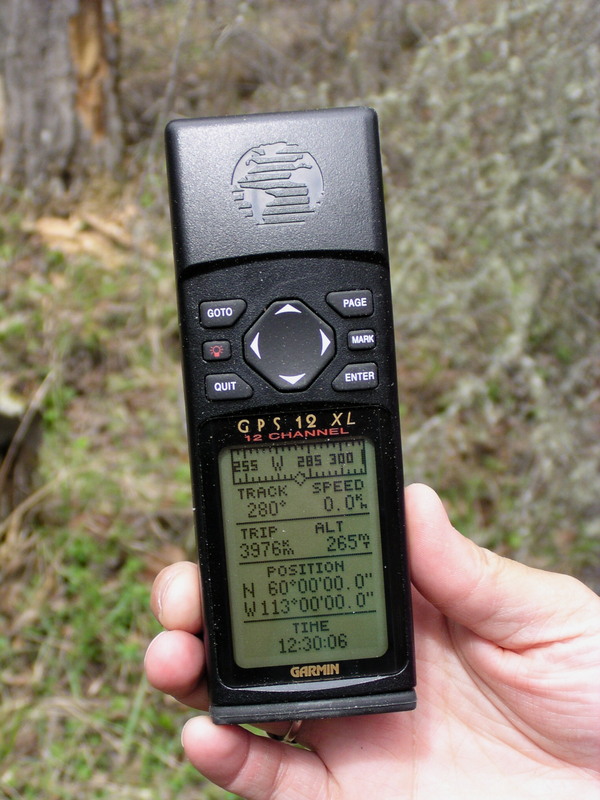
x: 175, y: 597
x: 253, y: 766
x: 174, y: 664
x: 498, y: 599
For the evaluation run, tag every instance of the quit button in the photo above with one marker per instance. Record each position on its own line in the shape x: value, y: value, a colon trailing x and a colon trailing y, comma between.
x: 227, y: 386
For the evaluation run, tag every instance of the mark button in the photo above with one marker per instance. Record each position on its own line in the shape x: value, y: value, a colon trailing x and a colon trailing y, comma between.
x: 361, y: 340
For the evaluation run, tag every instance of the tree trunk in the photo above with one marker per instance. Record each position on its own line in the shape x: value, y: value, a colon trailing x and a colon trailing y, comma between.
x: 61, y: 117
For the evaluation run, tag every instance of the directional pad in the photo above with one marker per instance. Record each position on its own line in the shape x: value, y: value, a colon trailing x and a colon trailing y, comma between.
x: 289, y: 345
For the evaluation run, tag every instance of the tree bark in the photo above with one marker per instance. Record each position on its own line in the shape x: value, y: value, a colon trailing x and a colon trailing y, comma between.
x: 60, y: 94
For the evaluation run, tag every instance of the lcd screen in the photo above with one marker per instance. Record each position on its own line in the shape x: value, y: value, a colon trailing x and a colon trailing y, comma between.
x: 303, y: 547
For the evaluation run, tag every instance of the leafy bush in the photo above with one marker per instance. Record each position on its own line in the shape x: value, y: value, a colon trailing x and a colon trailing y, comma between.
x: 493, y: 154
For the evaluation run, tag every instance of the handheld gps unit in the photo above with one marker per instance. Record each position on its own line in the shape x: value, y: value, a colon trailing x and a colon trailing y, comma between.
x: 290, y: 384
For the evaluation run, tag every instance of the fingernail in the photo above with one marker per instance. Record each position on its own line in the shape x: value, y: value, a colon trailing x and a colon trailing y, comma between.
x: 183, y: 731
x: 160, y: 607
x: 151, y: 645
x: 162, y: 595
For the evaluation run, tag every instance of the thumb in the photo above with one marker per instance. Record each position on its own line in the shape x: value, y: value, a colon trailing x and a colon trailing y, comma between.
x: 253, y: 766
x: 498, y: 599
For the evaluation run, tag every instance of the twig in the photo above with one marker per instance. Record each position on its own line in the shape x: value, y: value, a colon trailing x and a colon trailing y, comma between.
x: 24, y: 426
x: 167, y: 100
x: 17, y: 514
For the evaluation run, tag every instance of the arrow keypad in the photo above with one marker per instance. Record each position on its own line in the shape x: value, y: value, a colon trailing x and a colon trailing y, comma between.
x: 289, y: 345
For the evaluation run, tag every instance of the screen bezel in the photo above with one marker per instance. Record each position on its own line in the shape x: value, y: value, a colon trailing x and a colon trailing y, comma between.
x: 373, y: 423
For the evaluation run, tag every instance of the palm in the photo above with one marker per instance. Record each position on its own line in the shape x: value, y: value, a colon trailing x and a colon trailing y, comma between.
x: 465, y: 737
x: 508, y: 689
x: 490, y: 721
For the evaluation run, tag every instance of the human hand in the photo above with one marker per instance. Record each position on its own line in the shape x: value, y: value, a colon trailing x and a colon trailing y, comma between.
x: 508, y: 664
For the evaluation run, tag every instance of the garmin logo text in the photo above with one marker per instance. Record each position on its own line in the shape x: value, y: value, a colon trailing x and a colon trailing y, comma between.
x: 277, y: 183
x: 315, y: 670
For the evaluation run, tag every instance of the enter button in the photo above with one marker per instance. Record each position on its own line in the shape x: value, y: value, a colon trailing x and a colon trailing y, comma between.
x: 357, y: 376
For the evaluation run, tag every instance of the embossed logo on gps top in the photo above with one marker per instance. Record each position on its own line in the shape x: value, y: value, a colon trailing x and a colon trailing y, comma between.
x: 277, y: 183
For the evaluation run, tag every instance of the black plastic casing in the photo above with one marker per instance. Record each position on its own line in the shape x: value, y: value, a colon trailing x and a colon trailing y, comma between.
x: 225, y: 251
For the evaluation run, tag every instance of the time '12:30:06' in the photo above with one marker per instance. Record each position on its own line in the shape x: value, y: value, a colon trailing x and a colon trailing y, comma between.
x: 307, y: 644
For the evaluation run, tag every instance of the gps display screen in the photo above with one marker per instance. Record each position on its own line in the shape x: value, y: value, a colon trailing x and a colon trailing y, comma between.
x: 303, y: 547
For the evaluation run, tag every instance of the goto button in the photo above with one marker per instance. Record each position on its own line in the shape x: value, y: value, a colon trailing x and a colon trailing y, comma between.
x: 221, y: 313
x: 352, y: 303
x: 227, y: 386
